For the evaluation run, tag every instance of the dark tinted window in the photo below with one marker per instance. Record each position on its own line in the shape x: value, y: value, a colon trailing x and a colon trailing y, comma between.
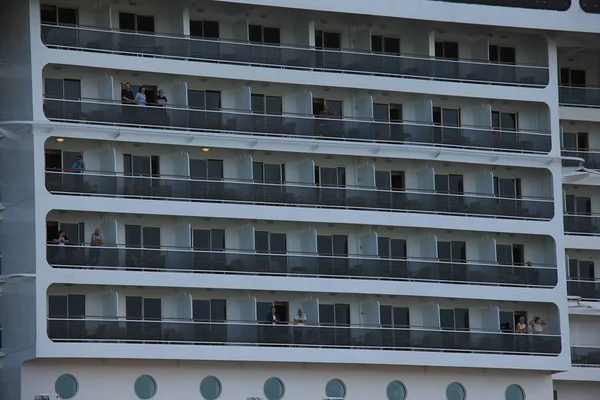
x: 556, y: 5
x: 590, y: 6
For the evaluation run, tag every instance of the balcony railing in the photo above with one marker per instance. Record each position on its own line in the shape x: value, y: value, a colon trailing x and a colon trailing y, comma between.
x: 582, y: 224
x: 591, y: 158
x: 585, y: 356
x: 253, y: 334
x: 579, y: 96
x: 586, y: 289
x: 309, y: 195
x: 299, y: 265
x: 292, y: 57
x: 109, y: 112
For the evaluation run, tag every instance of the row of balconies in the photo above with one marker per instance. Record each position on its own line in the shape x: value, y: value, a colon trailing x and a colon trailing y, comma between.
x: 296, y: 126
x: 299, y: 194
x: 437, y: 57
x: 300, y: 41
x: 296, y: 249
x: 146, y: 315
x: 227, y: 261
x: 98, y: 330
x: 293, y: 56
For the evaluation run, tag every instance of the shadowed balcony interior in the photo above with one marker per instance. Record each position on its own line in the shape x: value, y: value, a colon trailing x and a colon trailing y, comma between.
x: 315, y: 250
x: 324, y: 59
x: 398, y: 323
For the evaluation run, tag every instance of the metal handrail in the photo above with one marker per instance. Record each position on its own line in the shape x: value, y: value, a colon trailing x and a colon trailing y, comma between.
x: 242, y: 181
x: 170, y: 106
x: 283, y: 323
x: 86, y: 245
x: 288, y: 46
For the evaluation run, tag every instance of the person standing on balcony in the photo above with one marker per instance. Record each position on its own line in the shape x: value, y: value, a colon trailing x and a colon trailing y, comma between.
x: 161, y: 101
x: 140, y: 96
x: 127, y: 96
x: 537, y: 325
x: 127, y: 99
x: 96, y: 241
x: 77, y: 168
x: 272, y: 317
x: 521, y: 326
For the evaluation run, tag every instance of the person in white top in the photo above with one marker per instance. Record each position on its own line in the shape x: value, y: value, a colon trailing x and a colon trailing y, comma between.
x: 521, y: 326
x: 537, y: 325
x: 300, y: 318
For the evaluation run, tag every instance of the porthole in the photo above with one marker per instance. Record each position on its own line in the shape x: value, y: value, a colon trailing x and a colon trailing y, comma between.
x: 66, y: 386
x: 274, y: 389
x: 514, y: 392
x: 396, y: 391
x: 456, y: 391
x: 145, y: 387
x: 210, y: 388
x: 335, y: 388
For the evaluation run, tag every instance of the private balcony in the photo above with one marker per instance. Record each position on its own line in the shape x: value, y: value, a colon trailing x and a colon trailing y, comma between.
x: 585, y: 356
x: 239, y: 262
x: 181, y: 188
x: 579, y: 96
x: 587, y: 289
x: 96, y: 111
x: 255, y: 333
x: 591, y: 158
x: 292, y: 57
x: 582, y: 224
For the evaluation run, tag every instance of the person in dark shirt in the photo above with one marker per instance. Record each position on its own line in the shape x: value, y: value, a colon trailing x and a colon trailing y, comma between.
x: 161, y: 99
x: 127, y: 96
x: 128, y: 114
x: 272, y: 317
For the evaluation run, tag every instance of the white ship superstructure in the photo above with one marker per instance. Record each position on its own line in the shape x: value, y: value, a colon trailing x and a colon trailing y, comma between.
x: 300, y: 200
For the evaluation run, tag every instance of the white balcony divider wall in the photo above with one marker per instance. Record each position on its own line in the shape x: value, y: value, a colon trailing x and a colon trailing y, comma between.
x: 487, y: 250
x: 363, y: 107
x: 366, y: 176
x: 370, y: 313
x: 179, y: 95
x: 428, y: 247
x: 110, y: 305
x: 110, y: 229
x: 181, y: 165
x: 247, y: 238
x: 311, y: 310
x: 425, y: 180
x: 108, y: 160
x: 361, y: 38
x: 369, y: 244
x: 428, y: 317
x: 185, y: 308
x: 487, y: 318
x: 244, y: 168
x: 106, y: 88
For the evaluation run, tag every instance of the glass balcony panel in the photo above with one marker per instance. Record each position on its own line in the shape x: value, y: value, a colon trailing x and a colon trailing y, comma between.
x: 307, y: 265
x: 585, y: 356
x: 113, y: 113
x: 586, y: 289
x: 579, y: 96
x: 176, y: 188
x: 294, y: 57
x: 582, y: 224
x: 591, y: 159
x: 184, y: 332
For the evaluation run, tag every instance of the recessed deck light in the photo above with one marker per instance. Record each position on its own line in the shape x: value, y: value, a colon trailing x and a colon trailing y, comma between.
x: 206, y: 149
x: 60, y: 139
